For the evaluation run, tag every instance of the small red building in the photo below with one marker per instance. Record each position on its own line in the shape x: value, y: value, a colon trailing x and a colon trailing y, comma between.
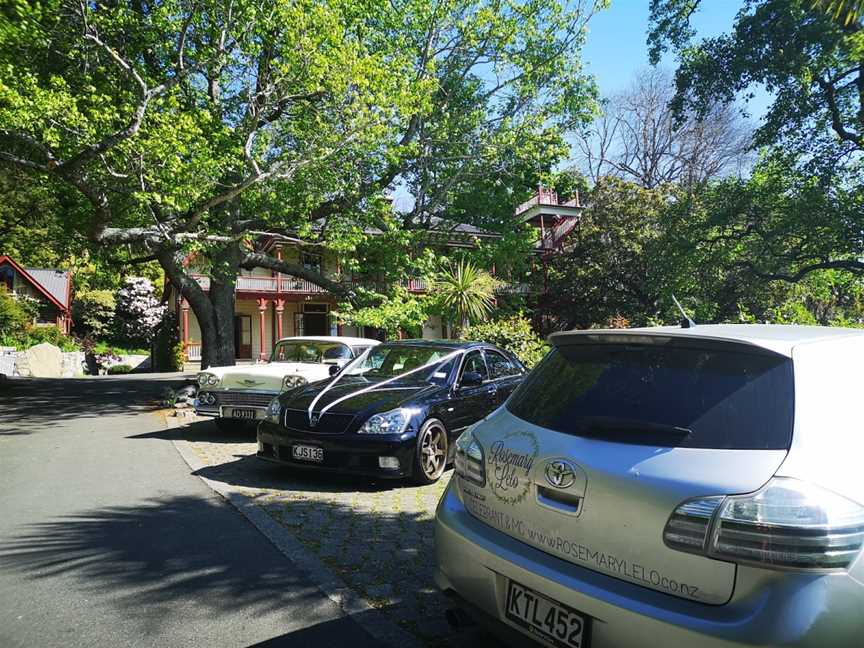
x: 52, y: 288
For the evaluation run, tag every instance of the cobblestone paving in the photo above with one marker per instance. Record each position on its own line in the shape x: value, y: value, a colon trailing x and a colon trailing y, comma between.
x: 376, y: 535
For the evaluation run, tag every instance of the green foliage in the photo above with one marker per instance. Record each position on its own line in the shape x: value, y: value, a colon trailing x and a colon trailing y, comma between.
x: 734, y: 251
x: 101, y: 347
x: 50, y: 334
x: 14, y: 320
x: 167, y: 347
x: 844, y: 11
x: 398, y: 312
x: 513, y: 334
x: 119, y: 369
x: 615, y: 262
x: 464, y: 293
x: 30, y: 305
x: 308, y: 115
x: 93, y: 313
x: 809, y: 58
x: 17, y: 328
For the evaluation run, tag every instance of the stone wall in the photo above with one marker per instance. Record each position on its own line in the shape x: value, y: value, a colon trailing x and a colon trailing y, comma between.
x: 18, y: 363
x: 72, y: 364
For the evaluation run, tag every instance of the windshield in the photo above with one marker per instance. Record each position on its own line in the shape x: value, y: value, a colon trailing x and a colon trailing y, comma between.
x: 387, y: 361
x: 311, y: 351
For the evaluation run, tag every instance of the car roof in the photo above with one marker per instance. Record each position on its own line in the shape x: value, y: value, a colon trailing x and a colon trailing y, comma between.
x: 444, y: 344
x: 330, y: 338
x: 778, y: 338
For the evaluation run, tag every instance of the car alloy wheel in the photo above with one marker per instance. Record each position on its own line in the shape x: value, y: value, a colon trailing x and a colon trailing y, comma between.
x: 431, y: 452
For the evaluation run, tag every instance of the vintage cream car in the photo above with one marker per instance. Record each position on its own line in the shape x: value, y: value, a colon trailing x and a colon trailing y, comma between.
x: 242, y: 393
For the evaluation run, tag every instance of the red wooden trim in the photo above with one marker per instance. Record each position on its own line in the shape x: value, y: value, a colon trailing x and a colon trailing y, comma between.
x: 280, y: 311
x: 184, y: 309
x: 36, y: 284
x: 262, y: 308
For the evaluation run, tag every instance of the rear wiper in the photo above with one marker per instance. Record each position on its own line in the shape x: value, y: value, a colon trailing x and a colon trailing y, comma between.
x: 589, y: 425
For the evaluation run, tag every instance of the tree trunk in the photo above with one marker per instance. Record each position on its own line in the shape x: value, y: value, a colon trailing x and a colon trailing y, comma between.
x: 214, y: 311
x: 223, y: 277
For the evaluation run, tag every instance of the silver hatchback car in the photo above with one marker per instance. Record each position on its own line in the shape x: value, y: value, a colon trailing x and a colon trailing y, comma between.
x: 671, y: 487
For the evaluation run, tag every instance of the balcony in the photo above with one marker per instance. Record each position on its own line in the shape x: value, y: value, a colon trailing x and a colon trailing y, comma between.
x: 277, y: 284
x: 294, y: 285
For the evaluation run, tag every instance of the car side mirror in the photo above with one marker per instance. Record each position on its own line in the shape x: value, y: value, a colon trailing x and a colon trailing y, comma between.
x: 334, y: 369
x: 471, y: 379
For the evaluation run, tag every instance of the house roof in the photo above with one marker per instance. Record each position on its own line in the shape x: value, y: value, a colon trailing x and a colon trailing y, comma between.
x: 52, y: 283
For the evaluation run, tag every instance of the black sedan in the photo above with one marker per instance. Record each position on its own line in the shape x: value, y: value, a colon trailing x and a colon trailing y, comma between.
x: 394, y: 412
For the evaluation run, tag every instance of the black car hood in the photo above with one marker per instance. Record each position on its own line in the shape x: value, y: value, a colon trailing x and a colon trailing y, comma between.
x: 377, y: 399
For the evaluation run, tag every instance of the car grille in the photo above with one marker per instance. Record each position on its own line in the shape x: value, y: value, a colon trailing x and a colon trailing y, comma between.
x: 239, y: 398
x: 328, y: 423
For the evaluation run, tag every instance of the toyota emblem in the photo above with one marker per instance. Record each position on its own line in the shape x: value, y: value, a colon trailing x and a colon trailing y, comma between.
x: 313, y: 420
x: 560, y: 473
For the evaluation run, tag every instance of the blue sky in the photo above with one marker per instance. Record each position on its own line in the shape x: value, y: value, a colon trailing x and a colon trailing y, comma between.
x: 616, y: 47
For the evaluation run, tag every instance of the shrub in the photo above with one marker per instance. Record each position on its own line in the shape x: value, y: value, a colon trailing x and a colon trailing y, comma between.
x: 138, y: 313
x: 93, y: 312
x: 119, y: 369
x: 52, y: 335
x: 513, y: 334
x: 167, y: 347
x: 14, y: 320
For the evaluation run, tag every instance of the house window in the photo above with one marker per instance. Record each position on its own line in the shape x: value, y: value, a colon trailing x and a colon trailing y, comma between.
x: 7, y: 275
x: 311, y: 262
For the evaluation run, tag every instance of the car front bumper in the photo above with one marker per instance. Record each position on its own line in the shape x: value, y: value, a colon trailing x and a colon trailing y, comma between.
x: 349, y: 453
x: 229, y: 399
x: 474, y: 563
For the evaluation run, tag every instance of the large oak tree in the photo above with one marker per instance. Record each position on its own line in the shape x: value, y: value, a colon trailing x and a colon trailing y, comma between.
x: 201, y: 126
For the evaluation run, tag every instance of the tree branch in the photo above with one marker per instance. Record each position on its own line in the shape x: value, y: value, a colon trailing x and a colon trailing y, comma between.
x: 259, y: 260
x: 837, y: 124
x: 73, y: 165
x: 850, y: 265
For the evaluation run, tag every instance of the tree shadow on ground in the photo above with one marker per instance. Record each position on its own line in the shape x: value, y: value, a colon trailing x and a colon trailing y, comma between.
x: 28, y: 405
x: 200, y: 431
x: 159, y: 553
x: 250, y: 472
x: 338, y: 632
x: 154, y: 558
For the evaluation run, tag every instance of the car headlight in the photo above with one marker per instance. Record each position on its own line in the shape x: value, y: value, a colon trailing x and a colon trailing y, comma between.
x: 208, y: 379
x: 202, y: 379
x: 273, y: 410
x: 392, y: 422
x: 292, y: 381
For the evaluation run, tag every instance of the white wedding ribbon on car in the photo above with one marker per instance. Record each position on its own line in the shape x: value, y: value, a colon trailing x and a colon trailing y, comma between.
x: 428, y: 365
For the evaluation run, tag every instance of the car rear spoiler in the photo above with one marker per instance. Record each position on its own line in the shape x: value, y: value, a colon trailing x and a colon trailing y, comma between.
x: 691, y: 338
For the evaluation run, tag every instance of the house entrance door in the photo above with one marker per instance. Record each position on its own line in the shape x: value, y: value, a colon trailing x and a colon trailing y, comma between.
x: 316, y: 324
x: 243, y: 336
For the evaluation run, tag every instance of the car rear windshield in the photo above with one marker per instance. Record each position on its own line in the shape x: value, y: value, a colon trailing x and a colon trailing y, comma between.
x: 661, y: 394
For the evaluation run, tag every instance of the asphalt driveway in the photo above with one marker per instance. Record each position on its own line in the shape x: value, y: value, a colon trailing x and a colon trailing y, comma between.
x: 106, y: 539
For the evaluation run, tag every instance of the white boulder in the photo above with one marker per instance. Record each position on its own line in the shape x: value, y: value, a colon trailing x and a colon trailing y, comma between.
x: 45, y: 361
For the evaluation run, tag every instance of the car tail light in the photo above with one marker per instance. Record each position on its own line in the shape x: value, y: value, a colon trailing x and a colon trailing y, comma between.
x: 469, y: 463
x: 689, y: 525
x: 788, y: 524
